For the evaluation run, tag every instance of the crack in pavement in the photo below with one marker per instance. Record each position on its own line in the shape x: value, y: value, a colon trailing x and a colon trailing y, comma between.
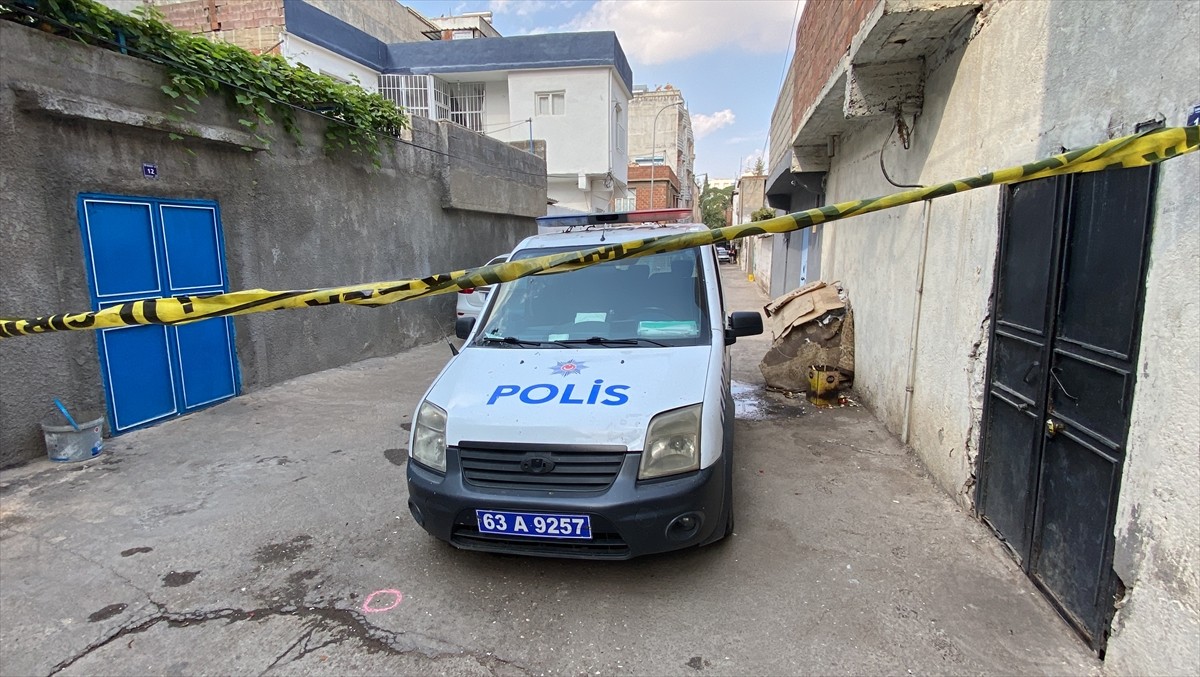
x: 41, y: 540
x: 342, y: 623
x: 351, y: 623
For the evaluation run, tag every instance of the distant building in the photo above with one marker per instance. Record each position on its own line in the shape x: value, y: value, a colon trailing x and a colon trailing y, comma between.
x: 646, y: 181
x: 570, y: 90
x: 464, y: 27
x: 749, y: 197
x: 562, y: 96
x: 660, y: 133
x: 285, y: 27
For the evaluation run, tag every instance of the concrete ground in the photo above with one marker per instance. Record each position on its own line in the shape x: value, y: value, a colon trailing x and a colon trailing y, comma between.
x: 269, y: 534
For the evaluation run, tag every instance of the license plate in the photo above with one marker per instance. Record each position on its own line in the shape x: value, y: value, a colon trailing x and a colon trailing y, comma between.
x: 535, y: 525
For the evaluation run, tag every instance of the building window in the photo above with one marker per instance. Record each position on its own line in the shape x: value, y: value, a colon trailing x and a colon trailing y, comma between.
x: 466, y: 104
x: 424, y: 96
x: 627, y: 204
x: 410, y: 92
x: 550, y: 103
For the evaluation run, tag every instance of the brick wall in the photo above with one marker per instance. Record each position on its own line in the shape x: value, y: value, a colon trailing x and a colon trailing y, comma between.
x: 666, y: 186
x: 256, y: 25
x: 822, y: 39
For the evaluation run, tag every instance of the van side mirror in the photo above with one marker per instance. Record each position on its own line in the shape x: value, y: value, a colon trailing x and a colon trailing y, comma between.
x: 464, y: 325
x: 743, y: 324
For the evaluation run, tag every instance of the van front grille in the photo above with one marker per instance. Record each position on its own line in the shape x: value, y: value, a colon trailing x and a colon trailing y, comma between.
x: 535, y: 469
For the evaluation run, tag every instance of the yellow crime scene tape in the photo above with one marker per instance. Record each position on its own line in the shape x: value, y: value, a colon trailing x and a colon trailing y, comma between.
x: 1131, y: 151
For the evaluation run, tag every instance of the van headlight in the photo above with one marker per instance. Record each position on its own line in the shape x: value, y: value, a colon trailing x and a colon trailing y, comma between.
x: 429, y: 437
x: 672, y: 443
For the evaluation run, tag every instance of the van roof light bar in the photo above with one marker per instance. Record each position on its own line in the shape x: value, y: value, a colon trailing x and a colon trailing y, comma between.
x: 614, y: 218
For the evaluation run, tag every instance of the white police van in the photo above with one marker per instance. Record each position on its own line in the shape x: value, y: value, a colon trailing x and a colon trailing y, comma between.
x: 589, y: 413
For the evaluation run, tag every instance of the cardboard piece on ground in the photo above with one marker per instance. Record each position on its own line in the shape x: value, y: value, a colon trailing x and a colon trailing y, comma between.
x: 812, y: 326
x: 801, y: 307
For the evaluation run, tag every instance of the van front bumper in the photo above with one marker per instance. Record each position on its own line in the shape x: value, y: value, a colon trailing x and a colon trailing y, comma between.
x: 628, y: 519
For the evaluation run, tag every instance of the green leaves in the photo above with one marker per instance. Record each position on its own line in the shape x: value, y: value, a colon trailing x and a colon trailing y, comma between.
x: 263, y: 89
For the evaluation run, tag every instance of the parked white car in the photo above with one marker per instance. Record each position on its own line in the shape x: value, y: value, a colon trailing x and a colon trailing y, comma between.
x: 471, y: 301
x: 589, y: 413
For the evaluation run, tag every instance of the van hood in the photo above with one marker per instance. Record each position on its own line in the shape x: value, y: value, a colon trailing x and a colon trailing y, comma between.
x: 586, y: 396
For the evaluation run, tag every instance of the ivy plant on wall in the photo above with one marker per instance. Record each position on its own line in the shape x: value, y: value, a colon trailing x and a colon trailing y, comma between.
x: 263, y: 88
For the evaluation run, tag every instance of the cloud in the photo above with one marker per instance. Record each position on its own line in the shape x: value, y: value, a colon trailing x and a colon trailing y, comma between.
x: 526, y: 7
x: 756, y: 136
x: 661, y: 31
x: 703, y: 125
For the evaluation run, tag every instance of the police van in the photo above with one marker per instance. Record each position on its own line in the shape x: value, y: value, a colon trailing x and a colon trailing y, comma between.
x: 588, y: 413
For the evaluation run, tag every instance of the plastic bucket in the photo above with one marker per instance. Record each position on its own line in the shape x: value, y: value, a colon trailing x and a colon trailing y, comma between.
x: 65, y: 444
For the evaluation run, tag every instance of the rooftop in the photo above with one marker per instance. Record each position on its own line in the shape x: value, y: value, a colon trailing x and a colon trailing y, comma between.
x: 522, y: 52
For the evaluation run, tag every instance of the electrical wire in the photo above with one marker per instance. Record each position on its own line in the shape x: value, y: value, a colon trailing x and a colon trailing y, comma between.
x: 505, y: 129
x: 782, y: 76
x: 124, y: 48
x: 505, y: 122
x: 904, y: 140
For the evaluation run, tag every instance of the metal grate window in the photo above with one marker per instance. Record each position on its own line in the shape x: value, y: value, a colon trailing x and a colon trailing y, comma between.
x: 427, y: 97
x: 466, y: 105
x: 410, y: 92
x: 441, y: 101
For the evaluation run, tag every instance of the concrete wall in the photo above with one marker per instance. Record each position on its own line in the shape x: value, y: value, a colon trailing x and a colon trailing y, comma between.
x: 751, y: 197
x: 293, y: 217
x: 385, y: 19
x: 763, y: 246
x: 1086, y: 72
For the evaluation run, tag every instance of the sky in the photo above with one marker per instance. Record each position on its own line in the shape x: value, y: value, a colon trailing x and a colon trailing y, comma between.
x: 727, y: 57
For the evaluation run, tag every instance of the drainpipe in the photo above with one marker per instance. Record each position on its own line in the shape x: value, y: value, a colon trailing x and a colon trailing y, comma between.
x: 915, y: 333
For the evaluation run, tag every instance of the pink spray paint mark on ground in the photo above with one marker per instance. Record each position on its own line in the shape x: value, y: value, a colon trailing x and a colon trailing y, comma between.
x: 370, y: 608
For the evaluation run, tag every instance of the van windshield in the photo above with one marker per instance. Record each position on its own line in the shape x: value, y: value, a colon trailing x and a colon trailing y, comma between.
x: 648, y: 301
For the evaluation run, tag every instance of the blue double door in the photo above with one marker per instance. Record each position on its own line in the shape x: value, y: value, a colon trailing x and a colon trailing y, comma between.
x: 138, y: 248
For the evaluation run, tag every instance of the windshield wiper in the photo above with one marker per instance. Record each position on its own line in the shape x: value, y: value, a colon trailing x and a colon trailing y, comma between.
x: 511, y: 340
x: 601, y: 341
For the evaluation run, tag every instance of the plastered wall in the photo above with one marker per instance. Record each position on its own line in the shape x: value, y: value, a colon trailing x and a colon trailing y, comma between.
x: 1027, y: 80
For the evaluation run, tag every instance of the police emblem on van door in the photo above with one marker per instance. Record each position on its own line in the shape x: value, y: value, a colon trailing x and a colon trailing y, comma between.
x: 569, y: 367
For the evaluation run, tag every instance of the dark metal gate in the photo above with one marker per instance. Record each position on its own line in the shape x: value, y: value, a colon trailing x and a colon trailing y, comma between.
x: 1069, y: 284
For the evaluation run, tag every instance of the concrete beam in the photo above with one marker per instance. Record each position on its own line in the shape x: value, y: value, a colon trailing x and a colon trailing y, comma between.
x: 882, y: 88
x: 810, y: 159
x: 71, y: 105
